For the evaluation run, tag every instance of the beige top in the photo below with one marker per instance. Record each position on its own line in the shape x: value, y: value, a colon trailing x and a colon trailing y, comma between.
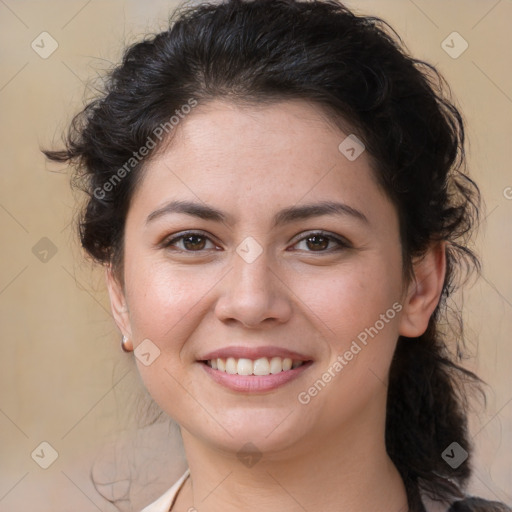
x: 166, y: 501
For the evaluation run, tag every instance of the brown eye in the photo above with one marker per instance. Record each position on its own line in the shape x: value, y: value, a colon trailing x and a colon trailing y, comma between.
x: 314, y: 242
x: 319, y: 242
x: 194, y: 242
x: 191, y: 242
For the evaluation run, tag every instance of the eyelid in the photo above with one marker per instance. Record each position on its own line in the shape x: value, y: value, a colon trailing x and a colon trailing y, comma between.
x: 340, y: 240
x: 178, y: 236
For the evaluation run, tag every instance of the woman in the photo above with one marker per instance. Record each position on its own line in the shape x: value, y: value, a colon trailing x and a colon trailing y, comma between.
x: 277, y: 192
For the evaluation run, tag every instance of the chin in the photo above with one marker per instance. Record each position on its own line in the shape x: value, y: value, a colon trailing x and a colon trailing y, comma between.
x: 261, y: 431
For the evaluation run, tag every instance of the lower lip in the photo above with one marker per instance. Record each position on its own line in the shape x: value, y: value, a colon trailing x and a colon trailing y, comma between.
x: 254, y: 383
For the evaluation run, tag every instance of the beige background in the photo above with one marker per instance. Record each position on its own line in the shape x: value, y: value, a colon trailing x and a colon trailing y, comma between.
x: 63, y: 377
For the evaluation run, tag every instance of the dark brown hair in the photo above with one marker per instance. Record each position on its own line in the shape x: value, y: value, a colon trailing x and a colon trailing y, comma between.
x: 356, y: 68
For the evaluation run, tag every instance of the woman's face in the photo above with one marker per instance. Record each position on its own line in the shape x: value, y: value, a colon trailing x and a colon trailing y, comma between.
x: 251, y: 283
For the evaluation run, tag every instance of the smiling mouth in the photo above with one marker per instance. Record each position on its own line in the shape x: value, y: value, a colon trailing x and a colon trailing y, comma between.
x: 256, y: 367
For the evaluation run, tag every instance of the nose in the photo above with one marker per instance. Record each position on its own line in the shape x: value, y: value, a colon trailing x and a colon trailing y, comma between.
x: 253, y: 294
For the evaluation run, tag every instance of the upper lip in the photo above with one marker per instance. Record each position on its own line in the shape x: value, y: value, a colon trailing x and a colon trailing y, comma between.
x: 254, y: 353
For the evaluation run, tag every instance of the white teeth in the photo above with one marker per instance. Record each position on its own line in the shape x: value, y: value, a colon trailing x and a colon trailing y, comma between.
x: 244, y: 367
x: 261, y: 366
x: 231, y: 365
x: 276, y: 365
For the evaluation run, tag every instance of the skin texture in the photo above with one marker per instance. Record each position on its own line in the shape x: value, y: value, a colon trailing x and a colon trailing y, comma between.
x: 250, y: 162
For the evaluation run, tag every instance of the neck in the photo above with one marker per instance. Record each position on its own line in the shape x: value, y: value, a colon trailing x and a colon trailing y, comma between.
x: 350, y: 471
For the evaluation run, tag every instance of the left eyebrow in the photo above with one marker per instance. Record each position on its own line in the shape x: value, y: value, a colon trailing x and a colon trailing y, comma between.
x: 307, y: 211
x: 285, y: 216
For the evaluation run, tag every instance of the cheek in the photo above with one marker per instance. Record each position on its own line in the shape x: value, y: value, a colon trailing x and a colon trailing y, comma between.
x: 344, y: 303
x: 161, y: 296
x: 162, y: 300
x: 358, y: 315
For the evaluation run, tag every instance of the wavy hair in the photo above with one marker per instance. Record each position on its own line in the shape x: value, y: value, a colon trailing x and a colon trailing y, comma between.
x: 357, y: 70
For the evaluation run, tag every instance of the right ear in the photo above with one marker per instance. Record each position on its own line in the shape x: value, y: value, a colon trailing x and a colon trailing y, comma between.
x: 119, y: 306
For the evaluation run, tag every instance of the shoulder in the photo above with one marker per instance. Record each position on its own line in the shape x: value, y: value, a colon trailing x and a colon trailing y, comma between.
x: 474, y: 504
x: 468, y: 504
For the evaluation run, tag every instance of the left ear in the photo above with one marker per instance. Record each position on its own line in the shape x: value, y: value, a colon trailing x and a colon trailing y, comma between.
x: 424, y: 291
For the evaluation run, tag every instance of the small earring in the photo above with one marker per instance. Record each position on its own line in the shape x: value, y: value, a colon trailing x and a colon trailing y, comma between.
x: 123, y: 344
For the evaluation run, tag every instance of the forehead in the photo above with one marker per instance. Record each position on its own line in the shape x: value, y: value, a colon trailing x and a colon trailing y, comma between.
x: 259, y: 157
x: 289, y: 130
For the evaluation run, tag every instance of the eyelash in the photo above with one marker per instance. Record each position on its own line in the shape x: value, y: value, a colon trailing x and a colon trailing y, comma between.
x: 341, y: 242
